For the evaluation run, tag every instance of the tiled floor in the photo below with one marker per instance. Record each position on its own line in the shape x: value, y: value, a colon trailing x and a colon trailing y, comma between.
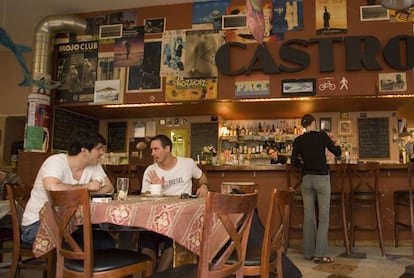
x: 365, y: 262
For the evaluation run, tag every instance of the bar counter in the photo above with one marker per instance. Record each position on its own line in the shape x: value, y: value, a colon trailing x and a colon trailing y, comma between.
x: 392, y: 177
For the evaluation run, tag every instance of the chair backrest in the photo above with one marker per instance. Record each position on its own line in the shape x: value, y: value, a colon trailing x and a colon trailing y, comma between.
x: 338, y: 177
x: 18, y: 197
x: 293, y: 176
x: 243, y: 186
x: 363, y: 177
x: 67, y: 205
x: 234, y: 212
x: 274, y: 239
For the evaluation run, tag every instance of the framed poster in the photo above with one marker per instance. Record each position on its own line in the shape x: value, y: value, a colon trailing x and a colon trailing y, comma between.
x: 325, y: 124
x: 146, y: 77
x: 298, y: 87
x: 154, y: 25
x: 345, y: 127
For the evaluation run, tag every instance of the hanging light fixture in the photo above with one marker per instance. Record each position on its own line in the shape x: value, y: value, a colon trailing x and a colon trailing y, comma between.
x: 396, y: 4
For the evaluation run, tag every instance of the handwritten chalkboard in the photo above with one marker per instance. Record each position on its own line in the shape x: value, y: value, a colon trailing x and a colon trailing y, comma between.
x: 203, y: 134
x: 373, y: 138
x: 117, y: 137
x: 65, y: 123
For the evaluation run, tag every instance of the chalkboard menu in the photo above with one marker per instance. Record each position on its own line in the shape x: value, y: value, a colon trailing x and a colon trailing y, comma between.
x: 65, y: 123
x: 117, y: 137
x: 373, y: 138
x: 203, y: 134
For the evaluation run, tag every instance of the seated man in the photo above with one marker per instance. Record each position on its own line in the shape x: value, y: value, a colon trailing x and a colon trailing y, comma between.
x: 79, y: 168
x: 275, y: 157
x: 175, y: 174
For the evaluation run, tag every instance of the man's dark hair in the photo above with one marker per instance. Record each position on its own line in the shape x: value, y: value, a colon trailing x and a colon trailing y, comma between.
x: 165, y: 141
x: 84, y: 139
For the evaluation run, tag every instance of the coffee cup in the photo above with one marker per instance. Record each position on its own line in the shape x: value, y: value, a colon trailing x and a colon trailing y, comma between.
x: 155, y: 189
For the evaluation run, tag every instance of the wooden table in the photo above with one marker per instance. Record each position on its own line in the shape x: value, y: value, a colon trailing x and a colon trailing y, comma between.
x: 179, y: 219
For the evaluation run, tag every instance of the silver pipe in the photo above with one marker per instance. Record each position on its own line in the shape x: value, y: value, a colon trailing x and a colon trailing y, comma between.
x: 44, y: 36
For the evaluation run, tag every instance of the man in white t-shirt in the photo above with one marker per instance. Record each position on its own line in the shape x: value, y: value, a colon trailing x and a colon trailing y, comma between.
x: 79, y: 168
x: 176, y: 175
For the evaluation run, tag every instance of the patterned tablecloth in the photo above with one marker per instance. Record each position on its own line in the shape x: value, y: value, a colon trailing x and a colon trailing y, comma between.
x: 179, y: 219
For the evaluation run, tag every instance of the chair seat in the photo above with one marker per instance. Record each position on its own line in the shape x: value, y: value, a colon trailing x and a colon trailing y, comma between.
x: 253, y: 257
x: 108, y: 259
x: 184, y: 271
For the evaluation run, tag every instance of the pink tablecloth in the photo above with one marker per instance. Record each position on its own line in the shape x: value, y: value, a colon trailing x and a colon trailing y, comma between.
x: 179, y: 219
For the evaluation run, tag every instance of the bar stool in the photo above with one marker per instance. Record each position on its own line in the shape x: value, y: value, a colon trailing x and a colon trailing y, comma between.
x: 338, y: 202
x: 294, y: 179
x: 365, y: 194
x: 403, y: 207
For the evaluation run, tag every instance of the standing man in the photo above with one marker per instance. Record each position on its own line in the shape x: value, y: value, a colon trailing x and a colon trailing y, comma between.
x: 79, y: 168
x: 175, y: 174
x: 309, y: 149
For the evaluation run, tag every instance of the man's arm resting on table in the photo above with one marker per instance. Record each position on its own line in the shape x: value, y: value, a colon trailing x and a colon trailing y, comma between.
x: 52, y: 183
x: 202, y: 189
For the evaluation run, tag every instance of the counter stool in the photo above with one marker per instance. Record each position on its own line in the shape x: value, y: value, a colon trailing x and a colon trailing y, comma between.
x: 364, y: 195
x: 402, y: 208
x: 294, y: 179
x: 338, y: 202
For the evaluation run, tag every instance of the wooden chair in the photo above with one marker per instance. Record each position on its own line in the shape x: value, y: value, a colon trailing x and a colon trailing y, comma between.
x: 242, y: 186
x: 77, y: 261
x: 294, y: 180
x: 221, y: 207
x: 403, y: 209
x: 365, y: 195
x: 22, y: 256
x: 338, y: 202
x: 267, y: 258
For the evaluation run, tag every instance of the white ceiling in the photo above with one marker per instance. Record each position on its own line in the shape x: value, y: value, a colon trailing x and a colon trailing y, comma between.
x: 20, y: 17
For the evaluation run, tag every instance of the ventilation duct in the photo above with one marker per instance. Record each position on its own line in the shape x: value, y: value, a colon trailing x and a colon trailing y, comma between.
x: 39, y: 113
x: 44, y: 39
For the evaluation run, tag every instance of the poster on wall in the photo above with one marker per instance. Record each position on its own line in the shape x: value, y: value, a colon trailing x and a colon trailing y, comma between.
x: 252, y: 86
x: 244, y: 35
x: 287, y: 16
x: 129, y: 50
x: 331, y: 17
x: 209, y: 13
x: 186, y: 89
x: 173, y: 53
x: 146, y: 78
x: 76, y: 71
x: 200, y: 61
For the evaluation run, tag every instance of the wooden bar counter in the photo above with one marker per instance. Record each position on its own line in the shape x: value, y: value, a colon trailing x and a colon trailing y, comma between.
x: 392, y: 177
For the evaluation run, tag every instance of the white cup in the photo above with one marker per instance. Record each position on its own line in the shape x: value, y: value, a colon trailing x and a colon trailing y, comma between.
x: 155, y: 189
x: 122, y: 185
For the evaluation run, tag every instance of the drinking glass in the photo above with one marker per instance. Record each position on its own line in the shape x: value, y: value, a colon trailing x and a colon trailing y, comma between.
x: 122, y: 185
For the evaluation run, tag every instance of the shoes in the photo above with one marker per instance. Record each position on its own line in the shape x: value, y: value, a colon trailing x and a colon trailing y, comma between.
x: 323, y: 260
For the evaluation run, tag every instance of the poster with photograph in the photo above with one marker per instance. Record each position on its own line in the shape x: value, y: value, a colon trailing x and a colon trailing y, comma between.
x: 173, y: 53
x: 287, y: 16
x: 244, y: 35
x: 187, y: 89
x: 107, y: 91
x: 129, y: 50
x: 210, y: 13
x: 146, y: 78
x: 200, y: 61
x: 396, y: 81
x: 331, y: 17
x: 76, y: 71
x: 154, y: 25
x: 106, y: 69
